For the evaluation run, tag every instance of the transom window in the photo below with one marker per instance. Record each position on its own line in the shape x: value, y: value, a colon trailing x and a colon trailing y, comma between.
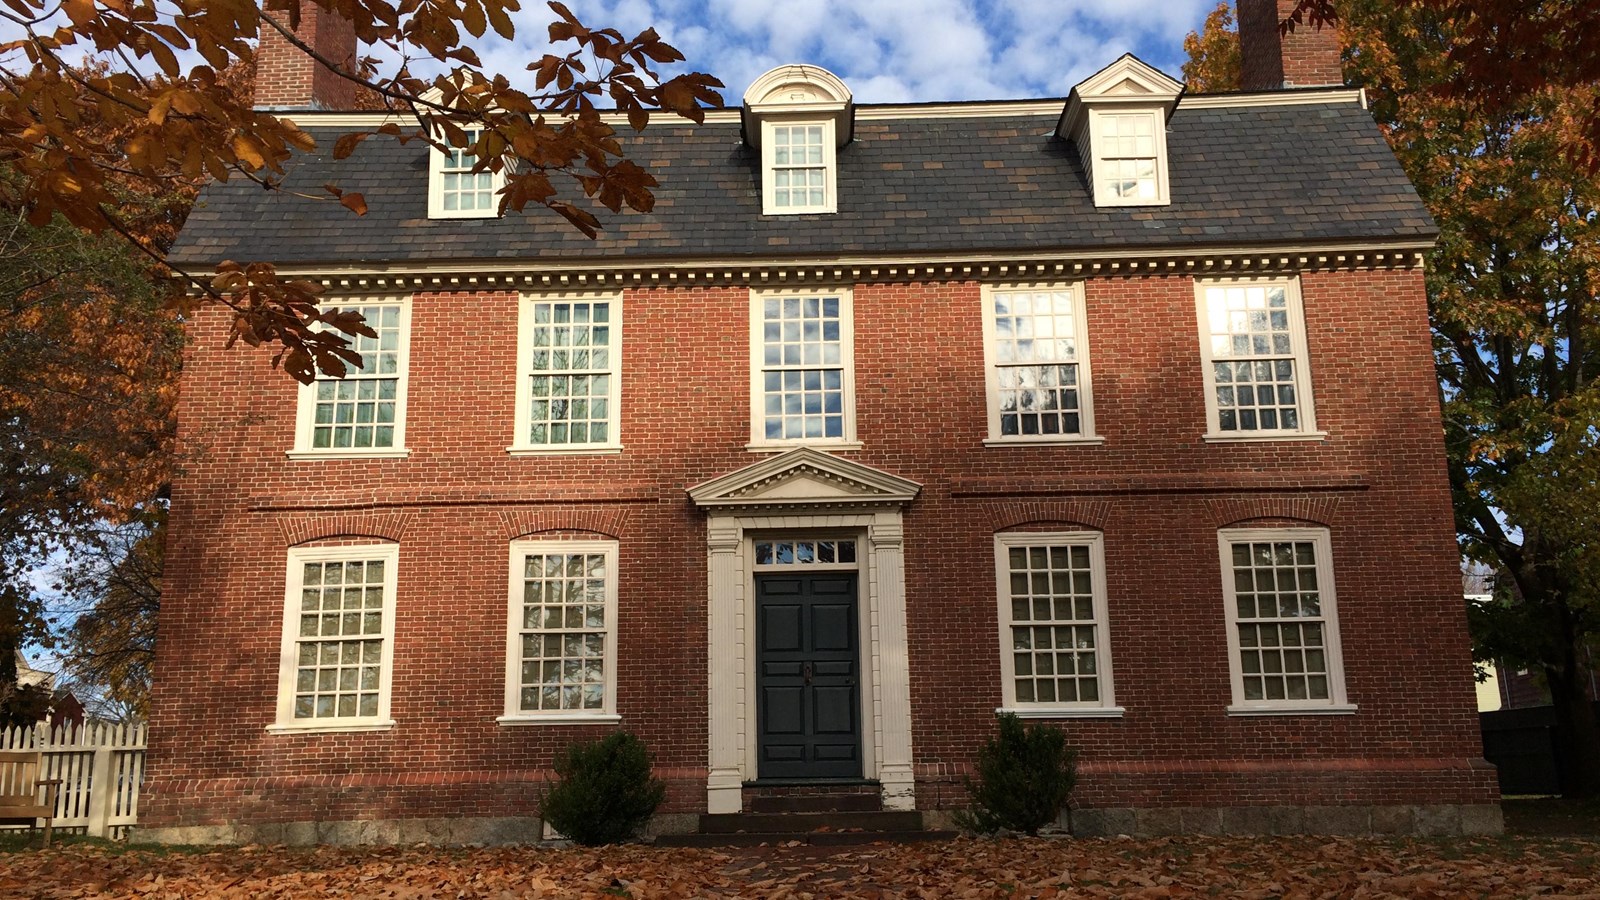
x: 1053, y: 625
x: 363, y: 411
x: 570, y: 362
x: 805, y: 553
x: 802, y: 385
x: 1284, y: 637
x: 562, y: 653
x: 1127, y: 156
x: 799, y: 166
x: 1253, y: 343
x: 337, y: 634
x: 1037, y: 353
x: 459, y: 192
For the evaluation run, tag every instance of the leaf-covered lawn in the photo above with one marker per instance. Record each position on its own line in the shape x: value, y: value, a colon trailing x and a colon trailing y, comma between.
x: 1172, y: 867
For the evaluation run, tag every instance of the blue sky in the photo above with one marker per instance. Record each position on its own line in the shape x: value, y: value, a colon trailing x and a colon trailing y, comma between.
x: 891, y: 50
x: 886, y: 50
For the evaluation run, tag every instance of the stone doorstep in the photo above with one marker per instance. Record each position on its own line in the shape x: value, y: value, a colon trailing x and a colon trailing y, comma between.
x: 813, y: 838
x: 831, y: 828
x: 805, y: 822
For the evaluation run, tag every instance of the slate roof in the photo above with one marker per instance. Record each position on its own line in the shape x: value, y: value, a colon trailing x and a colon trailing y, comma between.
x: 1240, y: 176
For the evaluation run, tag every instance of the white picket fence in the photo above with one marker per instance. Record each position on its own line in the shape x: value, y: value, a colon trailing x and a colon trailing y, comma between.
x: 101, y: 768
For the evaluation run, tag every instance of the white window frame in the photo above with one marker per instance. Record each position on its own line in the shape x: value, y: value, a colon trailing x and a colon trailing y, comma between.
x: 1106, y: 706
x: 830, y: 164
x: 437, y: 160
x: 1302, y: 364
x: 1163, y: 195
x: 991, y: 363
x: 759, y: 442
x: 513, y: 713
x: 522, y: 418
x: 1337, y: 702
x: 288, y: 664
x: 305, y: 413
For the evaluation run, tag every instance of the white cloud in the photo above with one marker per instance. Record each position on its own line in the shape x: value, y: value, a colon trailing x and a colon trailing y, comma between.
x: 886, y: 50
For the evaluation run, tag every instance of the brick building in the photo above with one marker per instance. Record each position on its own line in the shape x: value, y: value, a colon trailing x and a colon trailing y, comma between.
x: 1117, y: 411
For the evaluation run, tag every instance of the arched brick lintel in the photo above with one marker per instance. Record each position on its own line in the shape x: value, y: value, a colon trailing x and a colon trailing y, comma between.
x: 304, y: 529
x: 523, y: 521
x: 1016, y: 513
x: 1316, y: 509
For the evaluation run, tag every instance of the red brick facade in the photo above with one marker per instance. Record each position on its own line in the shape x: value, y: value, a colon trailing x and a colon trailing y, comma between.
x: 1305, y: 57
x: 1155, y: 489
x: 286, y: 77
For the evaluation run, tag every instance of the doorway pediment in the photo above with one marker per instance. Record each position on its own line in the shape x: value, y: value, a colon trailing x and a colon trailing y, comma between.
x: 804, y: 478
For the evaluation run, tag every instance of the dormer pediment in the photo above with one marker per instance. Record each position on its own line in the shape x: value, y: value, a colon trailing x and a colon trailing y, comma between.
x: 804, y: 477
x: 799, y: 91
x: 1128, y: 80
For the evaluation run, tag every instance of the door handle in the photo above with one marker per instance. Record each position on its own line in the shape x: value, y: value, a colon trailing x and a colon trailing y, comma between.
x: 806, y: 671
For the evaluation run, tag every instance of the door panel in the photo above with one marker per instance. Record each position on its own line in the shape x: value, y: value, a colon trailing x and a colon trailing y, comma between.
x: 808, y: 654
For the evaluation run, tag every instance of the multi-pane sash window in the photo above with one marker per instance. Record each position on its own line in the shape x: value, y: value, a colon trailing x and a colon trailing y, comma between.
x: 1038, y: 381
x: 1127, y: 158
x: 363, y: 411
x: 799, y: 177
x: 563, y: 629
x: 1283, y: 634
x: 1253, y: 341
x: 571, y: 349
x: 459, y: 192
x: 802, y: 387
x: 1053, y: 625
x: 338, y: 629
x: 798, y: 162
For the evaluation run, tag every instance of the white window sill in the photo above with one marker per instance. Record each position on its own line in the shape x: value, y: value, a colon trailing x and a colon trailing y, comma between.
x: 1084, y: 440
x: 1232, y: 437
x: 566, y: 450
x: 386, y: 453
x: 583, y: 719
x: 491, y: 213
x: 1342, y: 709
x: 800, y: 210
x: 780, y: 446
x: 329, y: 727
x: 1064, y: 712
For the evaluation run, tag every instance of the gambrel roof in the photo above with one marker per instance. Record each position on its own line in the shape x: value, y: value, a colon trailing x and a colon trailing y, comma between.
x: 1272, y: 174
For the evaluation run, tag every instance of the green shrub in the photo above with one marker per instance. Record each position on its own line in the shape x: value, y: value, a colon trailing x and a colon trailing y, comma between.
x: 604, y: 793
x: 1024, y: 777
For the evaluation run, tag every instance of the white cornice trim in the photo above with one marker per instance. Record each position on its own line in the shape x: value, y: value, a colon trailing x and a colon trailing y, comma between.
x: 514, y: 275
x: 960, y: 110
x: 1357, y: 96
x: 891, y: 111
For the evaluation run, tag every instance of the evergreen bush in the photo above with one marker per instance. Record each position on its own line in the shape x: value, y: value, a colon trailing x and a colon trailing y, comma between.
x: 604, y: 793
x: 1025, y: 775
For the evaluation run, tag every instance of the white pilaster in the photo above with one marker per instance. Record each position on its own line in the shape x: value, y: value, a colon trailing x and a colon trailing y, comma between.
x: 886, y: 538
x: 725, y: 600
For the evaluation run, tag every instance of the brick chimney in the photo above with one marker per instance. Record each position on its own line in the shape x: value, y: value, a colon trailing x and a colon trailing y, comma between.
x: 286, y: 78
x: 1305, y: 57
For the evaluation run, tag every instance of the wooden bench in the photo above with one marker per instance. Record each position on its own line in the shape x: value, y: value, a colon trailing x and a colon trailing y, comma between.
x: 20, y: 786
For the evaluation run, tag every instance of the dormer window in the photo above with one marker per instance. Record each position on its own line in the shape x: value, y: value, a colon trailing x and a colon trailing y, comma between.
x: 456, y: 191
x: 799, y: 163
x: 798, y: 116
x: 1117, y: 119
x: 1127, y: 167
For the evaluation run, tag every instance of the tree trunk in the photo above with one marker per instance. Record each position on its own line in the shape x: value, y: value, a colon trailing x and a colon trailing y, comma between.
x: 1577, y: 734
